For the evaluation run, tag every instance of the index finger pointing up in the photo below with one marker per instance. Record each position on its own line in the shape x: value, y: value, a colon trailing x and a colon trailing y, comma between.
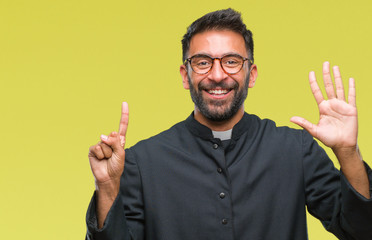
x: 124, y: 119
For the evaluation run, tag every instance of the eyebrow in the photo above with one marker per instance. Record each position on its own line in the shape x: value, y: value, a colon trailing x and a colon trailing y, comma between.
x: 226, y: 54
x: 200, y: 55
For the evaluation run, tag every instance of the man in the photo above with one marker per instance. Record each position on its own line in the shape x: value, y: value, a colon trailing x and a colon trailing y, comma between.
x: 225, y: 174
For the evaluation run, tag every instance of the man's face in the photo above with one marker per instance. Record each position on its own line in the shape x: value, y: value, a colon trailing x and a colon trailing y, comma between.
x: 218, y: 95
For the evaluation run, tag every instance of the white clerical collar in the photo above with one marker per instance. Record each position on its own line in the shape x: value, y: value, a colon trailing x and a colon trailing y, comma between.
x: 223, y: 135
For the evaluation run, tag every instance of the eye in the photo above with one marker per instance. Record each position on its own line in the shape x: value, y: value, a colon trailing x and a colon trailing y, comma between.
x: 201, y: 62
x: 231, y: 61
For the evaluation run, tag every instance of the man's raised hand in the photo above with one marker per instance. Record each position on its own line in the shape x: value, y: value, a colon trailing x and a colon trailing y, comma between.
x: 338, y: 126
x: 107, y: 163
x: 107, y: 156
x: 338, y: 122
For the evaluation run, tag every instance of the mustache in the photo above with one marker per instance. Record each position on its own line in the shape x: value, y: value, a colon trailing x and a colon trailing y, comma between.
x: 212, y: 85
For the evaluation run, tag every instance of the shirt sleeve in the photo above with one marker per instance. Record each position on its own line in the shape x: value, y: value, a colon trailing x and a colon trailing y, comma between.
x: 125, y: 220
x: 331, y: 198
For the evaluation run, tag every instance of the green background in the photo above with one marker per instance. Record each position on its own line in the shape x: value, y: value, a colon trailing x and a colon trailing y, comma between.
x: 66, y: 66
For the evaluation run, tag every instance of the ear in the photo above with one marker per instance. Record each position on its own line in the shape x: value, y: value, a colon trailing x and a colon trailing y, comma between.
x: 252, y: 76
x: 185, y: 81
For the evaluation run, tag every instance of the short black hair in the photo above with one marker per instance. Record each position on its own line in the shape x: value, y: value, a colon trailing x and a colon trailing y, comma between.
x: 226, y: 19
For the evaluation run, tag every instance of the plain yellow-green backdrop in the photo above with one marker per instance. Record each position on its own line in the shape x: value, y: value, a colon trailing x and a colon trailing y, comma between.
x: 66, y: 66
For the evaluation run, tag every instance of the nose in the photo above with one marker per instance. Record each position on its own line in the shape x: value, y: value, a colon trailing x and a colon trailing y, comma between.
x: 217, y: 74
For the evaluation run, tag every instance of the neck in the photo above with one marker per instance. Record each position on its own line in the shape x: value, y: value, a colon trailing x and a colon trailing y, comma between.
x: 221, y: 125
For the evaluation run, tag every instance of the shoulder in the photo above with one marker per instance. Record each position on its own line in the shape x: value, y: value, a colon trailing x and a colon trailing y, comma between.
x: 168, y: 138
x: 284, y: 142
x: 268, y: 129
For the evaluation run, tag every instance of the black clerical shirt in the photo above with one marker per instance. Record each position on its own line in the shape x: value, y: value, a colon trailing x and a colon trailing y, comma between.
x: 183, y: 184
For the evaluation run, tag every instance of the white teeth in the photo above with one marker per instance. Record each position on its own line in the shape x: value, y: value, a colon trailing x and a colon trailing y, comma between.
x: 217, y: 92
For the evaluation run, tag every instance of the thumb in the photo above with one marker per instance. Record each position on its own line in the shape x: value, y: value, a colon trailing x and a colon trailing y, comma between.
x: 308, y: 126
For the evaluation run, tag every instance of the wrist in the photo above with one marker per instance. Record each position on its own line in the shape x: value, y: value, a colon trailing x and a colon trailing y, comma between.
x: 348, y: 155
x: 108, y: 189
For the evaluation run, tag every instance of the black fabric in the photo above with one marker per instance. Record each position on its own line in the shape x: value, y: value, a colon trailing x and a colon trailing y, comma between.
x: 184, y: 185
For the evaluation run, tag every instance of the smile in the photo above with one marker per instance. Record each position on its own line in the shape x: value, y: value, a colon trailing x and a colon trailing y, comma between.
x: 218, y: 91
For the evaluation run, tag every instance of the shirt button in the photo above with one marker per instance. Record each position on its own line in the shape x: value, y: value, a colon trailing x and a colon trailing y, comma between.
x: 215, y: 145
x: 224, y: 221
x: 222, y: 195
x: 219, y: 170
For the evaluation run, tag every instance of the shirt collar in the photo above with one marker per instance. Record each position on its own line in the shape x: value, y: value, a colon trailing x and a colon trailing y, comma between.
x: 204, y: 132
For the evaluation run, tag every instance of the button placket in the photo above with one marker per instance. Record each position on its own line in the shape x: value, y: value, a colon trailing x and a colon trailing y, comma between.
x: 224, y: 204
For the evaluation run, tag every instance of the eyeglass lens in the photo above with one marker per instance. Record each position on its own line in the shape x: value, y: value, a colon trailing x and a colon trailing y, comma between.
x: 230, y: 63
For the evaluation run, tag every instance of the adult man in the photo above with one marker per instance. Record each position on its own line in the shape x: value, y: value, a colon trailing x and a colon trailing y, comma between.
x: 225, y: 174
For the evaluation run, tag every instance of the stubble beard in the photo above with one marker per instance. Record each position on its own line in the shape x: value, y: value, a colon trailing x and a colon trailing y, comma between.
x: 221, y: 110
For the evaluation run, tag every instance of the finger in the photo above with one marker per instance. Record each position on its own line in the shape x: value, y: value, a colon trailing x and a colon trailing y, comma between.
x: 328, y: 84
x: 352, y: 94
x: 315, y: 88
x: 106, y: 149
x: 308, y: 126
x: 96, y: 151
x: 338, y: 81
x: 122, y: 141
x: 124, y: 119
x: 113, y: 141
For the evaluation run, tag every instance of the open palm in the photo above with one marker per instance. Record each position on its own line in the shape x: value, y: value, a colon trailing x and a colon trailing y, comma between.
x: 338, y: 120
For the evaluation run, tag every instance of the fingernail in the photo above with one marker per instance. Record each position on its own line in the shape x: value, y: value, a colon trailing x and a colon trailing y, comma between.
x: 104, y: 137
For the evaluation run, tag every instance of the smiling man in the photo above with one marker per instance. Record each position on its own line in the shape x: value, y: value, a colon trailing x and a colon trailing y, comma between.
x: 218, y: 90
x: 226, y: 174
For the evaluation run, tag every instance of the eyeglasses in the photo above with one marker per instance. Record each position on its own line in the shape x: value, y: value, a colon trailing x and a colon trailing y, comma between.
x: 231, y: 64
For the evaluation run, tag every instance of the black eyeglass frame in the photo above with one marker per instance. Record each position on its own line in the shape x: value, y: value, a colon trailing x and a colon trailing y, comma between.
x: 188, y: 60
